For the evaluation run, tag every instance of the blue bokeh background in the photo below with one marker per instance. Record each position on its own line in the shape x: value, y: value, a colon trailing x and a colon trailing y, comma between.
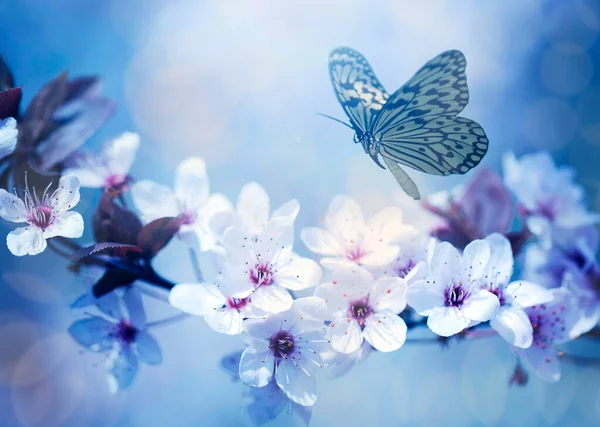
x: 239, y: 84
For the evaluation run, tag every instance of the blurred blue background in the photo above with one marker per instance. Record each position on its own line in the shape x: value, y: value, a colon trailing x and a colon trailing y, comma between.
x: 240, y: 83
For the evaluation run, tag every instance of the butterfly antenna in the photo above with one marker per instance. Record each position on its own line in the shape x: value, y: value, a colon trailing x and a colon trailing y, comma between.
x: 337, y: 120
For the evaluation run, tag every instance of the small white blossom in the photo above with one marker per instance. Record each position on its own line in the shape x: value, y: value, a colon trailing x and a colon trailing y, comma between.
x: 350, y: 241
x: 552, y: 324
x: 451, y: 295
x: 110, y: 167
x: 287, y: 346
x: 265, y: 267
x: 189, y: 199
x: 253, y: 212
x: 222, y: 313
x: 8, y: 136
x: 510, y: 321
x: 548, y: 196
x: 362, y: 308
x: 47, y: 216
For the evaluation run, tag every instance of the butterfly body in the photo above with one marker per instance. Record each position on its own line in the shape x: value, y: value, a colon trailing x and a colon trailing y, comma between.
x: 417, y: 126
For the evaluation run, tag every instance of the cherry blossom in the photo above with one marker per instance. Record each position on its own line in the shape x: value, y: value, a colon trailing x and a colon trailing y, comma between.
x: 8, y: 136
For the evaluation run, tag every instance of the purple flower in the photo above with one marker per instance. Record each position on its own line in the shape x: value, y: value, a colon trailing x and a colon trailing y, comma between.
x: 123, y: 337
x: 482, y: 208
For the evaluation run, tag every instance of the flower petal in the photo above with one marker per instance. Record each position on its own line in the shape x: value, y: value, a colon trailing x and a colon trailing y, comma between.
x: 475, y: 259
x: 425, y: 295
x: 345, y: 220
x: 256, y: 367
x: 385, y: 227
x: 389, y: 294
x: 93, y: 333
x: 120, y: 152
x: 447, y: 321
x: 321, y: 241
x: 286, y: 214
x: 67, y: 194
x: 446, y: 262
x: 526, y: 294
x: 8, y: 136
x: 122, y: 367
x: 11, y: 207
x: 191, y: 184
x: 345, y: 334
x: 380, y: 255
x: 500, y: 263
x: 134, y: 306
x: 68, y: 224
x: 514, y: 326
x: 154, y: 200
x: 147, y: 348
x: 385, y: 331
x: 253, y: 206
x: 299, y: 385
x: 299, y: 274
x: 272, y: 299
x: 480, y: 306
x: 195, y: 298
x: 544, y: 362
x: 227, y: 321
x: 26, y: 241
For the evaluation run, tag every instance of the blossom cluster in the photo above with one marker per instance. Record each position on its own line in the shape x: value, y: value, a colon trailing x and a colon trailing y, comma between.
x: 371, y: 283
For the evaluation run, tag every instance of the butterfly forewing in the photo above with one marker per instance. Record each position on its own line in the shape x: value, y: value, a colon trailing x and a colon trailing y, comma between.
x: 418, y: 126
x: 357, y: 88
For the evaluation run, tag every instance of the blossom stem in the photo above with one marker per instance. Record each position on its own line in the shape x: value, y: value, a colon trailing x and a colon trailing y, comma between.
x: 168, y: 320
x: 196, y: 265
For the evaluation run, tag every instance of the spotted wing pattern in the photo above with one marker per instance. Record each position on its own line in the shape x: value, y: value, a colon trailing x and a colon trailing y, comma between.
x: 357, y: 88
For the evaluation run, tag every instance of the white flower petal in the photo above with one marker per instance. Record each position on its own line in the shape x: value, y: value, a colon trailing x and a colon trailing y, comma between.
x: 480, y: 305
x: 345, y: 334
x: 384, y: 228
x: 447, y: 321
x: 26, y: 241
x: 446, y: 262
x: 544, y: 362
x: 67, y: 194
x: 526, y: 294
x: 154, y: 200
x: 253, y: 206
x: 8, y: 136
x: 500, y: 263
x: 11, y: 207
x: 272, y: 299
x: 425, y: 295
x: 337, y: 263
x: 321, y: 241
x: 299, y: 274
x: 227, y: 321
x: 307, y: 314
x: 191, y: 184
x: 199, y: 299
x: 256, y: 367
x: 90, y: 174
x: 345, y: 219
x: 286, y: 214
x: 514, y: 326
x: 67, y: 224
x: 385, y: 331
x: 389, y: 294
x: 299, y: 385
x: 120, y: 152
x: 475, y: 259
x: 379, y: 256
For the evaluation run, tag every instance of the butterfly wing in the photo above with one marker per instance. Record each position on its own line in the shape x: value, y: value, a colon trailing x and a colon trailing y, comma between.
x: 418, y: 126
x: 356, y: 87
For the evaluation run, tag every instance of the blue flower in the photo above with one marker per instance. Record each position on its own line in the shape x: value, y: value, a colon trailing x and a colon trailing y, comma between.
x: 123, y: 337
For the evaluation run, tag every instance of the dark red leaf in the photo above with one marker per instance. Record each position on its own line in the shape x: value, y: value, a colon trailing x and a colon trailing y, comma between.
x: 9, y: 102
x: 112, y: 223
x: 99, y: 247
x: 67, y: 139
x: 111, y: 280
x: 47, y: 100
x: 155, y: 235
x: 6, y: 77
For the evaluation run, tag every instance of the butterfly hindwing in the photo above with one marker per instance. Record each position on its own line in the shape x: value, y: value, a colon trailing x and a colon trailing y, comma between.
x: 358, y: 90
x: 437, y: 145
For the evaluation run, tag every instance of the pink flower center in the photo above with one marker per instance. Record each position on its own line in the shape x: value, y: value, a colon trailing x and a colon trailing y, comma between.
x: 261, y: 275
x: 125, y: 332
x: 403, y: 269
x: 189, y: 217
x: 455, y: 296
x: 546, y: 209
x: 237, y: 303
x: 355, y: 254
x: 41, y: 216
x: 360, y: 310
x: 282, y: 344
x: 40, y: 212
x: 117, y: 181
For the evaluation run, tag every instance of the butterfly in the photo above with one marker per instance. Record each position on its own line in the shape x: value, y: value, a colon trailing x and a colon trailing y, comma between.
x: 417, y: 126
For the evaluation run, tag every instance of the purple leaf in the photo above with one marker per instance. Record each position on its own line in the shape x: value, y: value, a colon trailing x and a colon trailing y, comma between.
x: 155, y: 235
x: 47, y: 100
x: 67, y: 139
x: 79, y: 90
x: 9, y: 102
x: 99, y: 247
x: 112, y: 223
x: 487, y: 203
x: 6, y: 78
x: 111, y: 280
